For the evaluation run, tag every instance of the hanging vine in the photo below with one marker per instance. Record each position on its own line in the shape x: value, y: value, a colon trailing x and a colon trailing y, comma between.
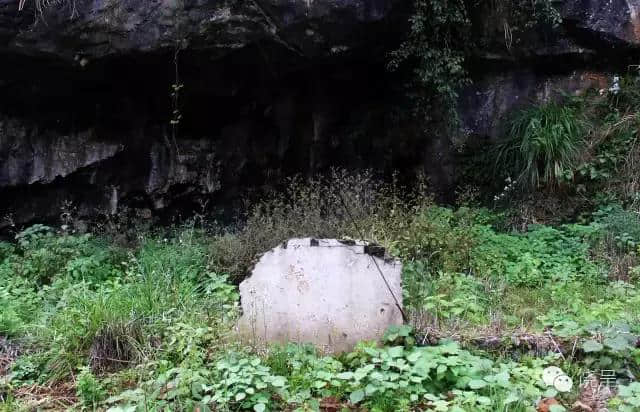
x: 434, y: 47
x: 176, y: 115
x: 438, y: 42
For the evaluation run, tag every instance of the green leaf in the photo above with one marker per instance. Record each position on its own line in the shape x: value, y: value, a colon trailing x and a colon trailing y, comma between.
x: 483, y: 400
x: 477, y: 384
x: 513, y: 397
x: 345, y: 375
x: 592, y: 346
x: 619, y: 343
x: 240, y: 396
x: 370, y: 389
x: 396, y: 351
x: 278, y: 381
x: 414, y: 356
x: 625, y: 391
x: 356, y: 396
x: 260, y: 407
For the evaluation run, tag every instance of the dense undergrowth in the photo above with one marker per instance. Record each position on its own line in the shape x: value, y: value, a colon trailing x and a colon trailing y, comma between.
x: 89, y: 323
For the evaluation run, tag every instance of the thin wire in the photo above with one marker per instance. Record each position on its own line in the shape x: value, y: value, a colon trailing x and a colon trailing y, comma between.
x: 375, y: 262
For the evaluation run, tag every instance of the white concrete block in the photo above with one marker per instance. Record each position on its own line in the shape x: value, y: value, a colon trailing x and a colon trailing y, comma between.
x: 330, y: 294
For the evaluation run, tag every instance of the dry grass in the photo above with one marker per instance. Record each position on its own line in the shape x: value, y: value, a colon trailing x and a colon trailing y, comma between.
x: 58, y: 397
x: 631, y: 170
x: 116, y: 347
x: 498, y: 338
x: 340, y: 205
x: 8, y: 353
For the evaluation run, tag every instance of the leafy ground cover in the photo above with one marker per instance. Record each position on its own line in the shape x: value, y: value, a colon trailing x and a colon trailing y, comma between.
x: 88, y: 323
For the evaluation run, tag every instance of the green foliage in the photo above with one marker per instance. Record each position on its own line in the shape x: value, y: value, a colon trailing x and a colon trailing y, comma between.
x: 245, y: 381
x: 399, y: 335
x: 438, y: 42
x: 439, y: 236
x: 625, y: 97
x: 435, y: 48
x: 89, y: 389
x: 621, y: 227
x: 383, y: 379
x: 543, y: 254
x: 85, y: 301
x: 628, y: 399
x: 543, y: 146
x: 26, y: 370
x: 19, y: 301
x: 178, y: 375
x: 6, y: 250
x: 521, y: 18
x: 609, y: 150
x: 42, y: 255
x: 447, y: 241
x: 583, y: 145
x: 156, y: 325
x: 443, y: 297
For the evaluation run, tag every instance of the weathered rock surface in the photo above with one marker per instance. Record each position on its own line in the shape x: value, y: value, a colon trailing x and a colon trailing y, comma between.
x: 319, y: 291
x: 30, y: 156
x: 615, y: 22
x: 96, y: 29
x: 271, y: 88
x: 485, y: 105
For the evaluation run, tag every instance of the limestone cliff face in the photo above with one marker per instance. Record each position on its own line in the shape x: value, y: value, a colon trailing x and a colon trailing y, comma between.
x: 271, y: 88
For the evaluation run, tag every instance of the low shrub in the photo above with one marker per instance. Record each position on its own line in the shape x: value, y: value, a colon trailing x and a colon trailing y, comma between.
x: 41, y: 255
x: 439, y: 236
x: 621, y: 227
x: 81, y: 302
x: 89, y: 389
x: 543, y: 254
x: 391, y: 378
x: 20, y: 303
x: 339, y: 205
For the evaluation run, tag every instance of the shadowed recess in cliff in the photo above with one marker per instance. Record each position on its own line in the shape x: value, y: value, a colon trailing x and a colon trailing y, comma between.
x: 246, y: 122
x: 270, y: 88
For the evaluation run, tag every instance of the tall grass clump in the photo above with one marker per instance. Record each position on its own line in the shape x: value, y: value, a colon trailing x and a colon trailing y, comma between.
x: 78, y: 301
x: 543, y: 145
x: 119, y: 323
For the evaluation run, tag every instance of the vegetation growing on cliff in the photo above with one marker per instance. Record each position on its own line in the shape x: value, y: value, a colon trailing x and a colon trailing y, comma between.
x: 584, y: 145
x: 439, y: 40
x: 435, y: 49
